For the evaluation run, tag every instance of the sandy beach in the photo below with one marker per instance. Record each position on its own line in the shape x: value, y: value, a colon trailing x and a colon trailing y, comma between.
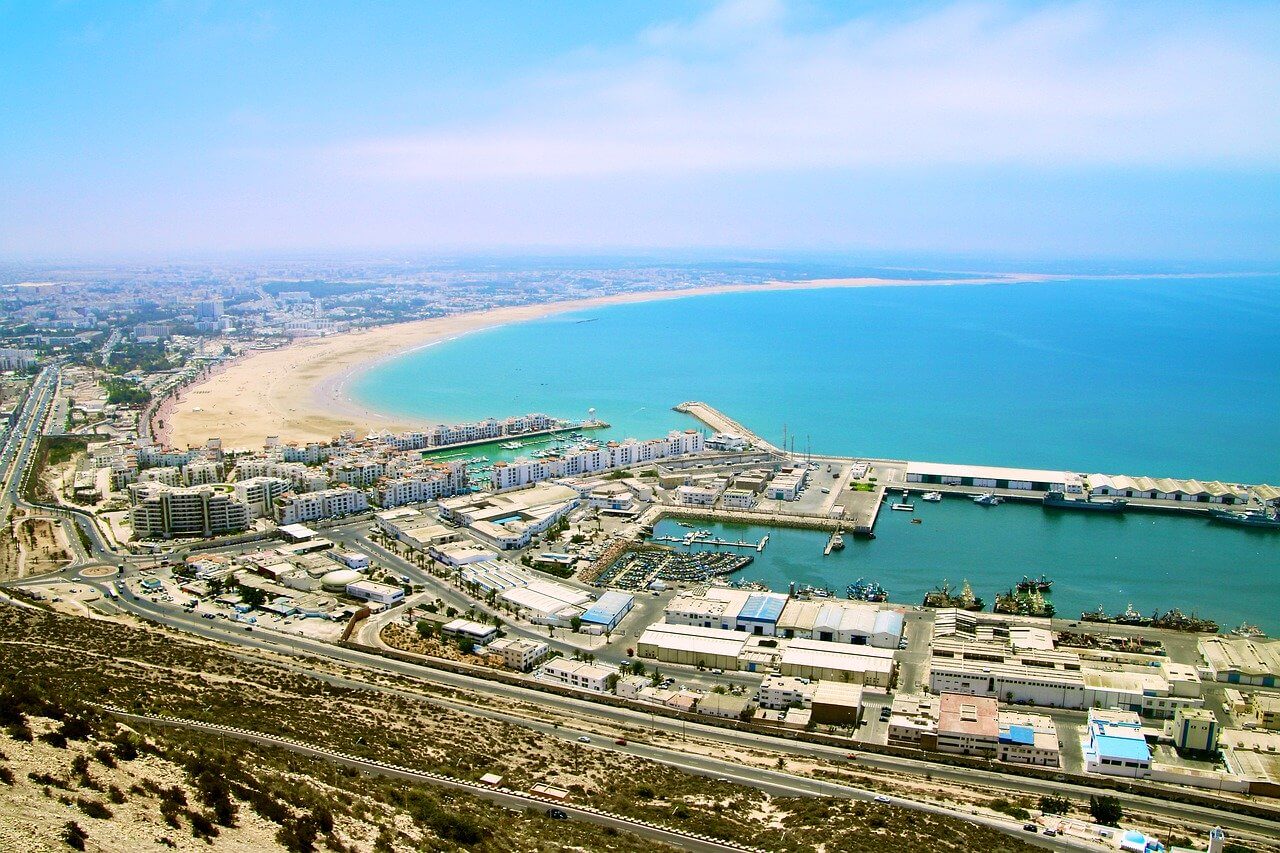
x: 298, y: 392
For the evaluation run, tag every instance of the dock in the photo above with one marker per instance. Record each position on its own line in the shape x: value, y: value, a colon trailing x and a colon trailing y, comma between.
x: 831, y: 544
x: 691, y: 539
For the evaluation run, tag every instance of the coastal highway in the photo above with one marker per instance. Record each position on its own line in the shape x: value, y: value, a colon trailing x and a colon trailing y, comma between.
x: 612, y: 719
x: 773, y: 782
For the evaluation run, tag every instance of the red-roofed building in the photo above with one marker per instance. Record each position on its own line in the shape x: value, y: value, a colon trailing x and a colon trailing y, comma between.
x: 968, y: 725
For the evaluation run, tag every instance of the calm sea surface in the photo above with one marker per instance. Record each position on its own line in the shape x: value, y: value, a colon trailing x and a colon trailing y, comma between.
x: 1166, y: 377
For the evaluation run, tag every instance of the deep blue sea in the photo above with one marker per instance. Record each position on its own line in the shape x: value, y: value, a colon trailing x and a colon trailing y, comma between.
x: 1158, y: 376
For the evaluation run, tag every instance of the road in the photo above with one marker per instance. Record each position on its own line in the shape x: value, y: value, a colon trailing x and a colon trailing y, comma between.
x: 611, y: 720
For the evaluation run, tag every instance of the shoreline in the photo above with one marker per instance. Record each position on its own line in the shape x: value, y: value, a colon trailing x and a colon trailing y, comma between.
x: 299, y: 391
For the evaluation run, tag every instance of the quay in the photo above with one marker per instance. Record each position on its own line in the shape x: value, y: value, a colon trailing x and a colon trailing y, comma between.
x: 1190, y: 497
x: 691, y: 539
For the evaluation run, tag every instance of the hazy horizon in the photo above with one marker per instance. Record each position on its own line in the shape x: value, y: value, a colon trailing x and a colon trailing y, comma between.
x: 1005, y: 130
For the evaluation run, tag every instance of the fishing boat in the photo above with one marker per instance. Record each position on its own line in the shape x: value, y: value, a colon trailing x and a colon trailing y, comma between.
x: 865, y: 590
x: 1040, y: 584
x: 988, y: 499
x: 1058, y: 500
x: 1258, y: 519
x: 917, y: 521
x: 931, y: 497
x: 945, y: 596
x: 1247, y: 630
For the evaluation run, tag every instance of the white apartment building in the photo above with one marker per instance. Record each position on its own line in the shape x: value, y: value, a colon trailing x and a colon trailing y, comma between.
x: 294, y: 508
x: 518, y: 654
x: 16, y: 359
x: 611, y: 456
x: 162, y: 511
x: 259, y: 494
x: 580, y: 674
x: 427, y: 484
x: 303, y: 478
x: 779, y: 692
x: 356, y: 471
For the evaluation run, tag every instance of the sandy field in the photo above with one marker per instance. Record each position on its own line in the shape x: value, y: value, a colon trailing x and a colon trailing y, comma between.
x: 298, y: 392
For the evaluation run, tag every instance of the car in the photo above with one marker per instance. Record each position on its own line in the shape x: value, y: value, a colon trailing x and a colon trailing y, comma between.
x: 1030, y: 827
x: 248, y: 627
x: 557, y: 814
x: 881, y: 798
x: 717, y: 672
x: 621, y: 741
x: 584, y: 739
x: 1051, y: 832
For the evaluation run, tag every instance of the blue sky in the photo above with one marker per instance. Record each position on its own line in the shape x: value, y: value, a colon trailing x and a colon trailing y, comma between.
x: 1009, y: 129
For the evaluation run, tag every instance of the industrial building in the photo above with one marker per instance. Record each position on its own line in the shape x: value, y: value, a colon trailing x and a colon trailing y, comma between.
x: 779, y: 692
x: 714, y: 648
x: 988, y: 477
x: 1241, y: 660
x: 968, y: 725
x: 914, y: 721
x: 836, y: 704
x: 826, y: 661
x: 728, y: 609
x: 607, y: 612
x: 1115, y: 744
x: 723, y: 706
x: 841, y: 622
x: 1028, y: 739
x: 1195, y: 730
x: 547, y: 602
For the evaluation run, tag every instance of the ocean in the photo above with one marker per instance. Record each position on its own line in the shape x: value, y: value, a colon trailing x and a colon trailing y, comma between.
x: 1174, y: 376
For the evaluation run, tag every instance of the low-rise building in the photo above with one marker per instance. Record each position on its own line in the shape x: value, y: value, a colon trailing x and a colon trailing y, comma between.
x: 580, y: 674
x: 1115, y: 745
x: 836, y: 704
x: 1242, y: 660
x: 1195, y: 730
x: 1028, y: 739
x: 825, y: 661
x: 714, y: 648
x: 724, y: 706
x: 968, y: 725
x: 607, y: 612
x: 368, y: 590
x: 779, y: 692
x: 478, y: 632
x: 914, y: 721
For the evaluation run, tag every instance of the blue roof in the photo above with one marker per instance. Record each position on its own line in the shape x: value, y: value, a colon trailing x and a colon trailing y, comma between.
x: 1020, y: 734
x: 608, y: 608
x: 1124, y: 748
x: 763, y: 607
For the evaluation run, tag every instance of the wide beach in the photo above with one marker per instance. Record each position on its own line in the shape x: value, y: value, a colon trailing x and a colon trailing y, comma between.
x: 298, y: 392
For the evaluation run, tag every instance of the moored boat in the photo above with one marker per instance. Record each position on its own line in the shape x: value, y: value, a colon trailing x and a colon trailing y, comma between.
x: 988, y: 499
x: 931, y: 497
x: 1059, y: 500
x: 1259, y: 519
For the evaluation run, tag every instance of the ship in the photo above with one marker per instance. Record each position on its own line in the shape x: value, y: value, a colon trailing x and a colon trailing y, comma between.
x: 931, y: 497
x: 1247, y: 630
x: 865, y: 590
x: 1058, y: 500
x: 837, y: 542
x: 1258, y: 519
x: 1024, y: 603
x: 1040, y: 584
x: 1176, y: 620
x: 945, y: 596
x: 988, y: 499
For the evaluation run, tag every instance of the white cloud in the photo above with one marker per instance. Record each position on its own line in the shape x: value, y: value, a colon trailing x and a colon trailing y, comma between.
x: 743, y: 88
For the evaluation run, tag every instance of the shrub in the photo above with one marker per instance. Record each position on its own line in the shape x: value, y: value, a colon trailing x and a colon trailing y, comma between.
x: 1054, y: 805
x: 94, y: 809
x: 74, y: 836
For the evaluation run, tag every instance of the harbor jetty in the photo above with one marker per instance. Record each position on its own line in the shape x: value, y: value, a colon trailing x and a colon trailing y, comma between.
x: 1189, y: 497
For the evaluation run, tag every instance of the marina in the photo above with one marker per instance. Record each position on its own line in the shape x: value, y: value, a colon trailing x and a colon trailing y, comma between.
x: 654, y: 568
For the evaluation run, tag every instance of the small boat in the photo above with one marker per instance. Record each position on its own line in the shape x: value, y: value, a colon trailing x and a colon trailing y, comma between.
x: 1255, y: 518
x: 931, y: 497
x: 903, y: 506
x: 837, y: 542
x: 988, y: 499
x: 917, y: 521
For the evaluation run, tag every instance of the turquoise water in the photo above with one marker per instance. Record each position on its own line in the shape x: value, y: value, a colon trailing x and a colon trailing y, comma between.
x: 1165, y: 377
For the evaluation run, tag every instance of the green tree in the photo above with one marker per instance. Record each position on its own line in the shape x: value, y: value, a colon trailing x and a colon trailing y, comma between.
x: 252, y: 596
x: 1054, y: 805
x: 575, y: 623
x: 1106, y: 810
x: 426, y: 629
x: 466, y: 645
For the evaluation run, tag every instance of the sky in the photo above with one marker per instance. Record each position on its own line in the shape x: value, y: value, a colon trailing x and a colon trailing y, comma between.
x: 1074, y: 130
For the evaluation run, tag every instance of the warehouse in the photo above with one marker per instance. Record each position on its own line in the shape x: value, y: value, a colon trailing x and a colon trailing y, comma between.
x: 988, y: 477
x: 547, y: 603
x: 607, y: 612
x: 713, y: 648
x: 1239, y: 660
x: 836, y: 704
x: 759, y: 613
x: 838, y: 662
x: 841, y: 622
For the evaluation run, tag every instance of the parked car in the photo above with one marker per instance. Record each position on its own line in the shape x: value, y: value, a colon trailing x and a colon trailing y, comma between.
x: 557, y: 814
x: 1029, y: 827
